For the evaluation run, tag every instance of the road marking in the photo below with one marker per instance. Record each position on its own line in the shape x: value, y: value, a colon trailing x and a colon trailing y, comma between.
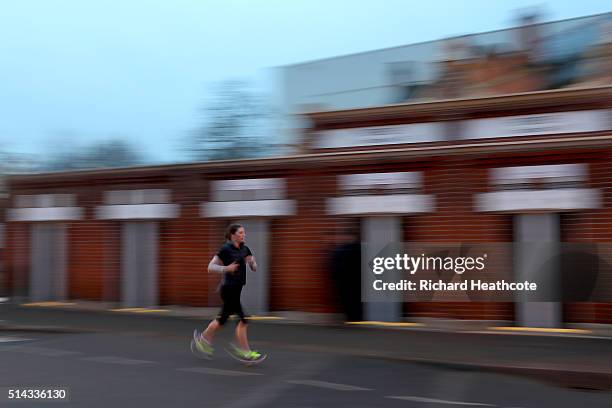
x: 139, y: 310
x: 48, y: 304
x: 217, y: 371
x: 11, y: 339
x: 118, y: 360
x: 328, y: 385
x: 387, y: 324
x: 540, y: 334
x: 438, y: 401
x: 41, y: 351
x: 541, y: 330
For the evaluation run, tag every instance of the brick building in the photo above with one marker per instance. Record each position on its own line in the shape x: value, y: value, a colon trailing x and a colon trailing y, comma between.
x: 491, y: 169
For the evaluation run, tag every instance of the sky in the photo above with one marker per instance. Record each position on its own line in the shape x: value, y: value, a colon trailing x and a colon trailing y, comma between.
x: 74, y: 72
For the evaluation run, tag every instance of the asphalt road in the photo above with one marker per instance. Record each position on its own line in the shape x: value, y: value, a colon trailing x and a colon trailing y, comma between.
x: 156, y: 369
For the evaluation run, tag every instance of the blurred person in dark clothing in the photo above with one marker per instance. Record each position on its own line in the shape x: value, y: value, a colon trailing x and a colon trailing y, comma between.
x: 345, y: 269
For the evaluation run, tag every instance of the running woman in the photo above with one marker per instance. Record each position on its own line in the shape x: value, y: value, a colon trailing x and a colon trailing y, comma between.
x: 231, y: 261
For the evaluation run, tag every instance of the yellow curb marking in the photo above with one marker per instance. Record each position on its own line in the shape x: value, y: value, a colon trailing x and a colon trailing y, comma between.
x: 387, y: 324
x: 541, y: 330
x: 139, y: 310
x: 47, y: 304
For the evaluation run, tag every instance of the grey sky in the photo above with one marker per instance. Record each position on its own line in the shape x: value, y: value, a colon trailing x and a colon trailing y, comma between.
x: 139, y: 70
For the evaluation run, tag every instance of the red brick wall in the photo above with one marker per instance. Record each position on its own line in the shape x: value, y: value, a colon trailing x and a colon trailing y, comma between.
x: 592, y: 226
x: 300, y: 278
x: 87, y: 247
x: 17, y: 258
x: 185, y: 246
x: 454, y: 182
x: 300, y: 245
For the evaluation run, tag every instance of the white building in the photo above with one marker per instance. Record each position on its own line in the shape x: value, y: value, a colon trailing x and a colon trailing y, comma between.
x: 407, y: 73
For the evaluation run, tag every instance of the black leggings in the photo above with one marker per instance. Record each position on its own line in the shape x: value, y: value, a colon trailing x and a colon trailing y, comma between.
x: 230, y: 294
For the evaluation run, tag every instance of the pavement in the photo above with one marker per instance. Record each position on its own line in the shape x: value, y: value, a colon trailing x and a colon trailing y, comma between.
x: 580, y: 359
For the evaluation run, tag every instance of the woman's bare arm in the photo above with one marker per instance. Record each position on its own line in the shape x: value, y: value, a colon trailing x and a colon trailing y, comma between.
x: 216, y: 265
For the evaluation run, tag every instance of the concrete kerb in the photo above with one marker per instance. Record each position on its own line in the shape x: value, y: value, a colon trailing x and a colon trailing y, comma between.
x: 42, y: 329
x: 486, y: 327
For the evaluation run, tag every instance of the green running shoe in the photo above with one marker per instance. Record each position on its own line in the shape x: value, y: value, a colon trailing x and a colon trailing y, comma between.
x: 202, y: 345
x: 246, y: 355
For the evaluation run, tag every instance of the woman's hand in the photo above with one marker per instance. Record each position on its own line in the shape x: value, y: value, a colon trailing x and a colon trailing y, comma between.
x: 232, y: 267
x: 251, y: 261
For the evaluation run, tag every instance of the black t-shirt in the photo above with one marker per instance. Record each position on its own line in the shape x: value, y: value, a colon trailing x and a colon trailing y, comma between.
x: 230, y: 254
